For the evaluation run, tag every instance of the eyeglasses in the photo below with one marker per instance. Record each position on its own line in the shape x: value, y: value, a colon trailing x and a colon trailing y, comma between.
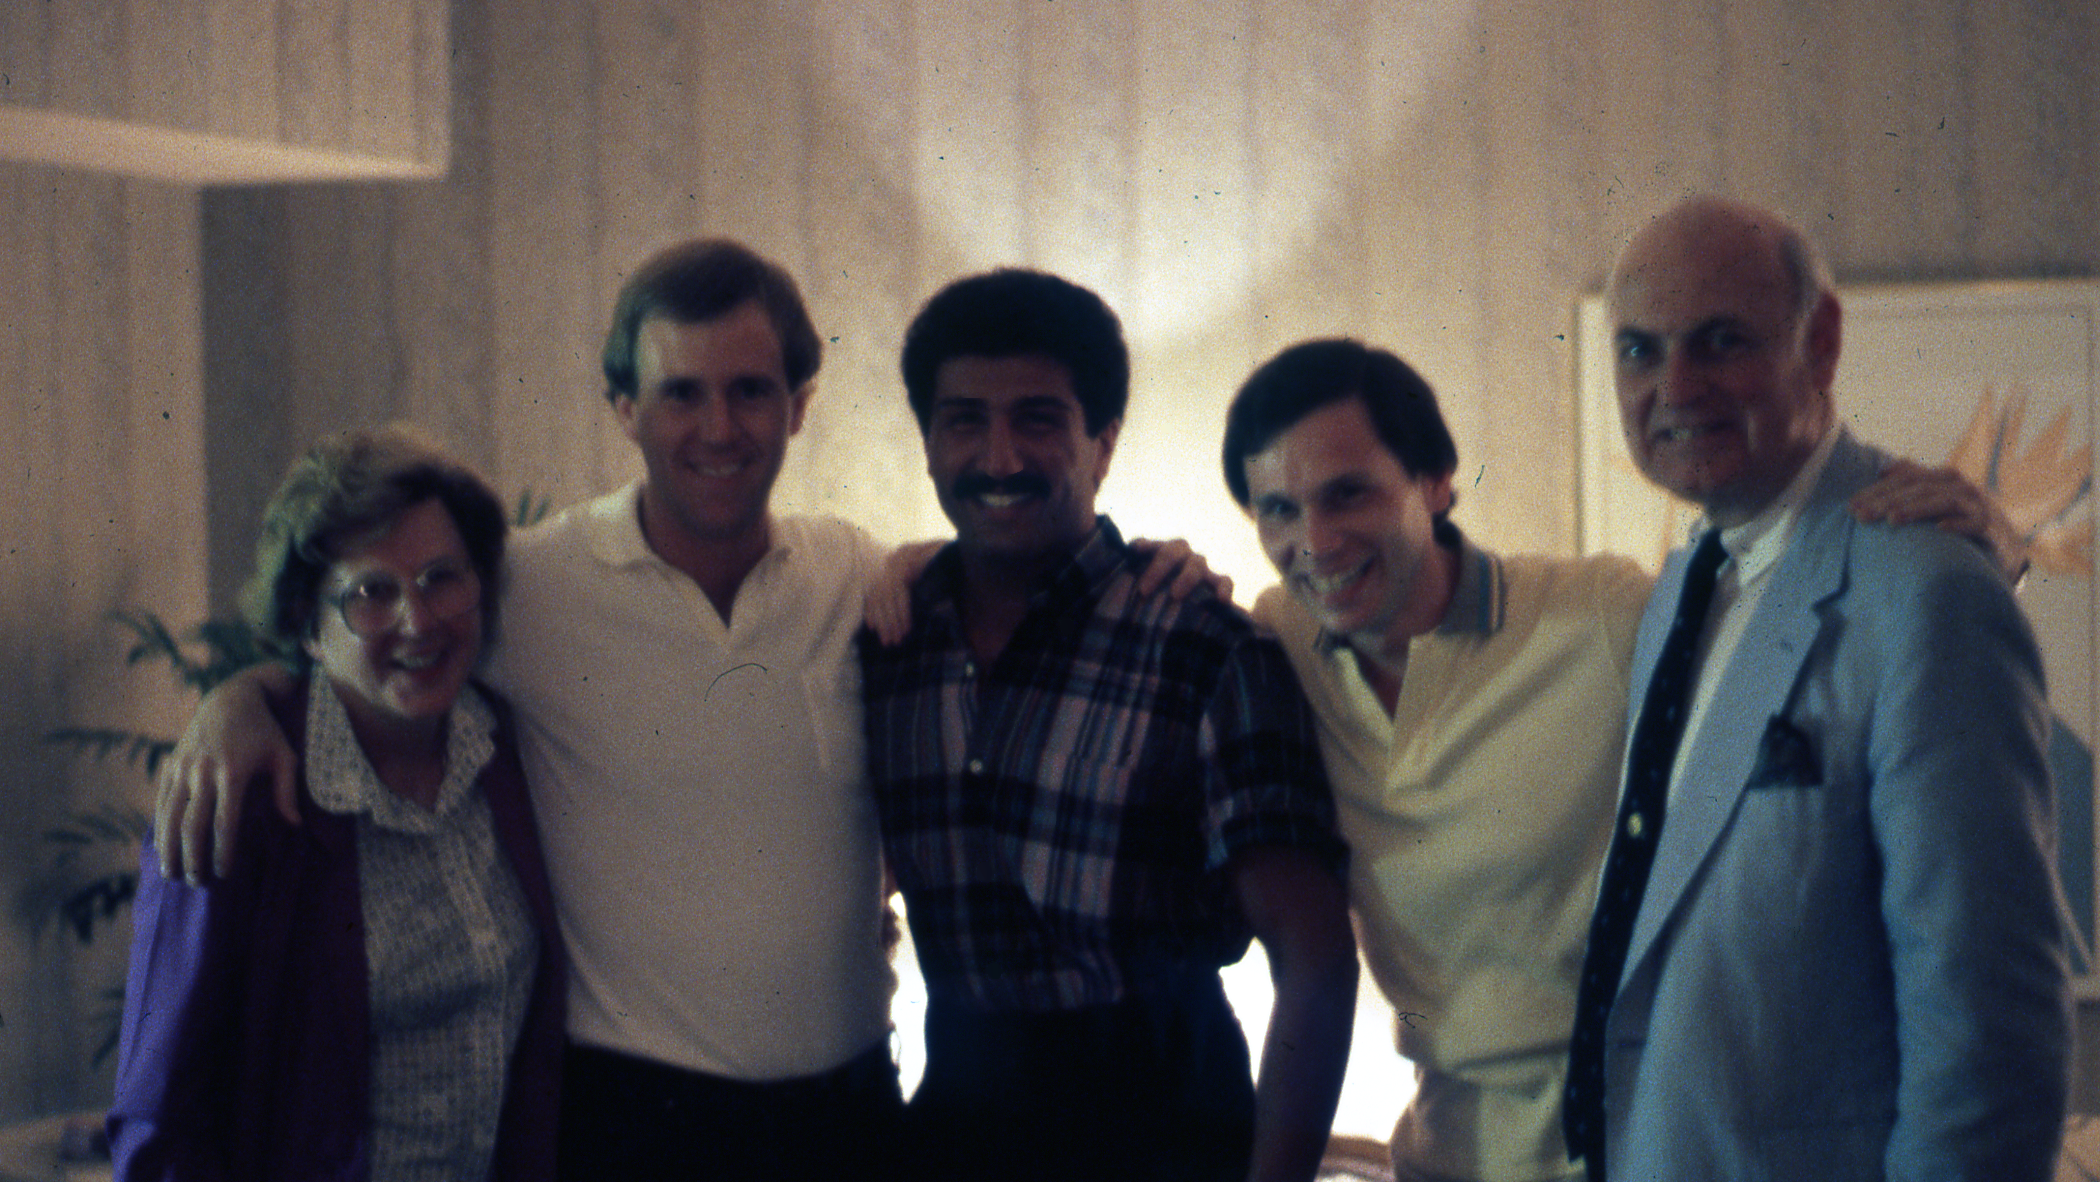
x: 377, y: 603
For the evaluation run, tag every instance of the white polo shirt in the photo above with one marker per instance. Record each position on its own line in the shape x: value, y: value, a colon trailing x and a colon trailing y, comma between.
x: 701, y: 792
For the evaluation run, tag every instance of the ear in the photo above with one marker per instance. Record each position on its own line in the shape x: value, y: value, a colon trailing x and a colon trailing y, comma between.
x: 1107, y: 440
x: 1436, y: 493
x: 624, y: 410
x: 1825, y: 336
x: 798, y: 404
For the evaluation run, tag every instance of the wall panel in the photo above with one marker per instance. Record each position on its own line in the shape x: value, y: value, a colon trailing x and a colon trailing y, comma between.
x: 101, y: 474
x: 751, y: 92
x: 544, y: 202
x: 226, y: 90
x: 161, y: 96
x: 859, y: 445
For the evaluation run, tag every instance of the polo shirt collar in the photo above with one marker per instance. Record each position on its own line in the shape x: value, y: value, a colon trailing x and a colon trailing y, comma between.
x: 612, y: 528
x: 1479, y: 602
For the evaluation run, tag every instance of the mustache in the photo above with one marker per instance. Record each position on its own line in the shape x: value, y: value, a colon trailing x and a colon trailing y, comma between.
x: 1020, y: 484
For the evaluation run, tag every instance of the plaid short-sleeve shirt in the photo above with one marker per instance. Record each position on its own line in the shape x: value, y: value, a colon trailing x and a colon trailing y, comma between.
x: 1058, y: 821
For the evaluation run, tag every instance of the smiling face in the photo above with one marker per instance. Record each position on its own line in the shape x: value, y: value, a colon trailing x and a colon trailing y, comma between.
x: 1723, y: 383
x: 403, y: 675
x: 1350, y: 531
x: 1011, y: 461
x: 712, y: 414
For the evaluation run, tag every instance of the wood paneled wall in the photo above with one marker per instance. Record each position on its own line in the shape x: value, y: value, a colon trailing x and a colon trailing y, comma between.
x: 1443, y: 177
x: 102, y: 479
x: 212, y: 91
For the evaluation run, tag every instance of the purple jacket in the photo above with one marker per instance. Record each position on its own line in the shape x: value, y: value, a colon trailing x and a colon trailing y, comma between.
x: 245, y: 1053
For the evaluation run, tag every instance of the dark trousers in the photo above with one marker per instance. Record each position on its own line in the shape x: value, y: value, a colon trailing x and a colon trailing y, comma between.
x: 635, y: 1119
x: 1154, y: 1087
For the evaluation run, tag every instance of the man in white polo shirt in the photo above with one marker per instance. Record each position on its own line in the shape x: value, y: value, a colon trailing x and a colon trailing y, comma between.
x: 682, y: 666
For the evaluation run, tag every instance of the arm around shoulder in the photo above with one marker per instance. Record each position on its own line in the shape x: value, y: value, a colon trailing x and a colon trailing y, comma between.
x: 1622, y: 590
x: 231, y: 739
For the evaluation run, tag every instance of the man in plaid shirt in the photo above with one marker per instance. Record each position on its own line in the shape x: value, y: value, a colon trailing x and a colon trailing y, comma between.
x: 1092, y: 797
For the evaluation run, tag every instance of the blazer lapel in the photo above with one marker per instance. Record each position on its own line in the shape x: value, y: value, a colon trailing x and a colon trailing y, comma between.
x: 1719, y: 758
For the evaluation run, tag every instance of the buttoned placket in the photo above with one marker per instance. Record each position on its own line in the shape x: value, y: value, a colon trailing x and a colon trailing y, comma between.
x: 978, y: 692
x: 967, y: 709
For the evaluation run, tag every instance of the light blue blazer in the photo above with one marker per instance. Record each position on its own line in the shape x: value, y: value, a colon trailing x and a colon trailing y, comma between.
x: 1850, y: 961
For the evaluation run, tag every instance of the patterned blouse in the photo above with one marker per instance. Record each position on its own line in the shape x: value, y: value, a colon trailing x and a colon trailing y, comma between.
x: 448, y: 941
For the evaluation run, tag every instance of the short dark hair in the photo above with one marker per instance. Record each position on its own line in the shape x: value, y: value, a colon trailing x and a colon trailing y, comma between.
x: 1017, y: 313
x: 1313, y: 374
x: 344, y: 489
x: 700, y: 280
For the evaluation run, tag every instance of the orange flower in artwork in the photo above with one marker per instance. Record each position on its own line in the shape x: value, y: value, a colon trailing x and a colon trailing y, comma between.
x: 2038, y: 487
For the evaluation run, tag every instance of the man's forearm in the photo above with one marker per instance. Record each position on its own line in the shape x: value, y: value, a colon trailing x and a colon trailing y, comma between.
x: 231, y: 738
x: 1299, y: 911
x: 1303, y: 1060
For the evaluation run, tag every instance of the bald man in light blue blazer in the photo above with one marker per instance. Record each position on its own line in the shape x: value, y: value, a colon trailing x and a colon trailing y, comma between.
x: 1849, y: 961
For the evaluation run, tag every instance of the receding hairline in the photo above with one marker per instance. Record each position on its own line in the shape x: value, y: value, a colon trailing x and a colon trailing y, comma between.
x: 1799, y: 263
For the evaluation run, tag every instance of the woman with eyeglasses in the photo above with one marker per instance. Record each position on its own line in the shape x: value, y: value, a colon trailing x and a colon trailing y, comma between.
x: 377, y: 992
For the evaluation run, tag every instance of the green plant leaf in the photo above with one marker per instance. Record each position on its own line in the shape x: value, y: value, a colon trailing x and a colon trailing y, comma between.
x: 96, y: 901
x: 529, y: 510
x: 109, y: 1020
x: 103, y: 743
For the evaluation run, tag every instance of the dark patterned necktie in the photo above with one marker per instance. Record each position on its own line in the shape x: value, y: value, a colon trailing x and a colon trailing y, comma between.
x: 1649, y: 759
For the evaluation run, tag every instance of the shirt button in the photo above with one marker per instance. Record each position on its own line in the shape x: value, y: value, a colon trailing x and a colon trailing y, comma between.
x: 976, y: 767
x: 1635, y: 825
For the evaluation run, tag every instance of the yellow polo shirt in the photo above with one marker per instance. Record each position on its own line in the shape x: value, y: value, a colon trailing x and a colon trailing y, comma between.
x: 1477, y: 818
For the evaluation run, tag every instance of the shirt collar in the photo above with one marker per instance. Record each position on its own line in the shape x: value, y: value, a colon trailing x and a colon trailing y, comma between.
x: 1757, y: 543
x: 341, y: 780
x: 612, y: 528
x: 1099, y: 558
x: 1479, y: 600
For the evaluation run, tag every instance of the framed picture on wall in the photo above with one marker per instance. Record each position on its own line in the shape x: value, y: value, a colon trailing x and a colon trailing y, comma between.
x: 2000, y: 380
